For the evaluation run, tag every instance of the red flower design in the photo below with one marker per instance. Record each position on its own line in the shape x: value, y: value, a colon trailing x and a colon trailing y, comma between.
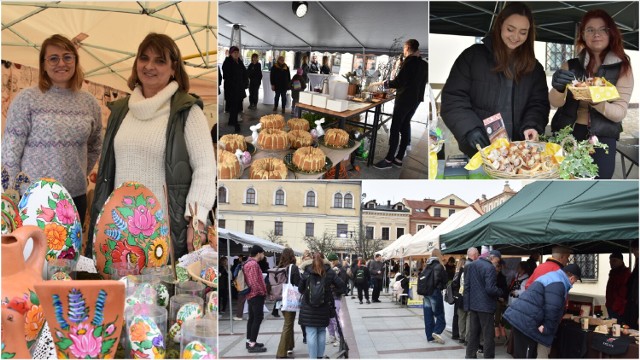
x: 18, y: 304
x: 124, y: 252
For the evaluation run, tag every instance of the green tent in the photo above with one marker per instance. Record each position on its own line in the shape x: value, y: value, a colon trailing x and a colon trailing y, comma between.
x: 587, y: 216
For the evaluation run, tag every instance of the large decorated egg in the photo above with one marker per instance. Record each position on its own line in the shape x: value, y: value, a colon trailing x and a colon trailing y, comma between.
x: 197, y: 350
x: 131, y: 227
x: 146, y: 338
x: 49, y: 206
x: 212, y: 302
x: 188, y: 311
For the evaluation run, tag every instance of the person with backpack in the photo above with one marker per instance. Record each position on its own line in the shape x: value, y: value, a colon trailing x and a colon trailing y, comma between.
x: 317, y: 301
x: 337, y: 298
x: 241, y: 298
x: 288, y: 263
x: 252, y: 275
x: 361, y: 279
x: 432, y: 280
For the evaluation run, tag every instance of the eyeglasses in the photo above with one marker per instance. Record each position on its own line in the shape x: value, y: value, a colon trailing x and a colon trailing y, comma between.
x: 55, y: 59
x: 592, y: 32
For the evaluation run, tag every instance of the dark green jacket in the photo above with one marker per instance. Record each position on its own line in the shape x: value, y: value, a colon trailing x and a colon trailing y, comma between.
x: 177, y: 167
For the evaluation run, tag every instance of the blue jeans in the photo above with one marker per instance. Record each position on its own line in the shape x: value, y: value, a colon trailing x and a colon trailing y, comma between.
x: 315, y: 341
x: 433, y: 306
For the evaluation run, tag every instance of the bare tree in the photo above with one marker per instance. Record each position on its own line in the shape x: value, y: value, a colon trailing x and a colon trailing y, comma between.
x: 365, y: 247
x: 271, y: 236
x: 324, y: 244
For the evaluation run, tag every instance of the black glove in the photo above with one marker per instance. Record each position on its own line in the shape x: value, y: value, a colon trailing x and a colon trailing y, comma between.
x: 561, y: 78
x: 477, y: 136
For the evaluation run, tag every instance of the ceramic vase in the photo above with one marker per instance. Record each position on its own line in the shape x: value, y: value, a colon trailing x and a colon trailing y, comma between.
x: 85, y: 317
x: 131, y: 227
x: 49, y: 206
x: 18, y: 280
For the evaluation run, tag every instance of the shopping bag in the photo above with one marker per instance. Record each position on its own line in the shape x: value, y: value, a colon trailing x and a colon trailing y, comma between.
x: 290, y: 296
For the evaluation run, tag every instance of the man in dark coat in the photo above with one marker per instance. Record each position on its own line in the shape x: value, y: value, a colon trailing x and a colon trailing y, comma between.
x: 410, y: 85
x: 480, y: 299
x: 536, y: 314
x: 616, y: 293
x: 254, y: 71
x: 376, y: 269
x: 235, y: 83
x: 631, y: 310
x: 314, y: 67
x: 432, y: 303
x: 361, y: 278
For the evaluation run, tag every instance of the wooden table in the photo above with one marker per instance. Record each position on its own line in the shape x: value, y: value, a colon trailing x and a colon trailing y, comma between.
x: 335, y: 155
x: 347, y: 116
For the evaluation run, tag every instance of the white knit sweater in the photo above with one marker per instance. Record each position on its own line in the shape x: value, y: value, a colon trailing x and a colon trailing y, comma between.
x: 141, y: 142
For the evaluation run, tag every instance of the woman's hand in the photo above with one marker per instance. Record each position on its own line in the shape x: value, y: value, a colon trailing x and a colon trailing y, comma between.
x: 561, y: 78
x: 531, y: 135
x: 191, y: 235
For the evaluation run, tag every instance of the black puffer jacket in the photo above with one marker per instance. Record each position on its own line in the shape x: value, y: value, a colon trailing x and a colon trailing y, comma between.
x: 473, y: 93
x: 411, y: 81
x: 317, y: 316
x: 254, y: 72
x: 236, y: 79
x: 481, y: 292
x: 280, y: 77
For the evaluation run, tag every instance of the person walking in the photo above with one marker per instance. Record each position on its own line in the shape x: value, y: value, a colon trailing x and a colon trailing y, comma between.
x: 535, y: 316
x: 480, y: 297
x: 255, y: 298
x: 361, y: 278
x: 235, y: 83
x: 337, y: 298
x: 254, y: 71
x: 376, y: 270
x: 317, y: 301
x: 286, y: 345
x: 435, y: 278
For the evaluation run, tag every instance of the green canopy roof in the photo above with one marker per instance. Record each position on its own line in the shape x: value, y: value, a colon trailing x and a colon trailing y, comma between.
x: 588, y: 216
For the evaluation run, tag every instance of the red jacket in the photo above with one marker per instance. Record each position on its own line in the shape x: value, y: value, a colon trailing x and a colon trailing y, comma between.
x: 546, y: 267
x: 617, y: 289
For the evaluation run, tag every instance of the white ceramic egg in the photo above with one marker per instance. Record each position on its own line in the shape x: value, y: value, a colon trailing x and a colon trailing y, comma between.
x: 197, y: 350
x: 143, y: 330
x: 189, y: 311
x: 162, y: 294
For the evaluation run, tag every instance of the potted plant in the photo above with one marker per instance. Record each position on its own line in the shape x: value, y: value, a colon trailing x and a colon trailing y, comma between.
x: 578, y: 162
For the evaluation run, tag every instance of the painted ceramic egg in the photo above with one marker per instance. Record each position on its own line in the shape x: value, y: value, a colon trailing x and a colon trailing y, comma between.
x: 212, y: 302
x: 162, y: 294
x: 131, y: 227
x: 174, y: 332
x: 197, y: 350
x: 189, y: 311
x: 61, y: 275
x: 146, y: 338
x: 49, y: 206
x: 208, y: 274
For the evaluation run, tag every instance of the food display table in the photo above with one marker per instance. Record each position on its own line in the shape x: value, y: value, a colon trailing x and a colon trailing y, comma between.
x: 352, y: 117
x: 335, y: 155
x: 572, y: 342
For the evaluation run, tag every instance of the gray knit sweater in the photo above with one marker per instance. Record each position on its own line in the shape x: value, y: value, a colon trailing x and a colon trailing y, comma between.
x: 53, y: 134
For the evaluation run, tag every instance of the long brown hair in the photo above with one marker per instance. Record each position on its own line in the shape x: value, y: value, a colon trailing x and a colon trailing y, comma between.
x: 287, y: 258
x: 318, y: 264
x: 161, y: 44
x: 521, y: 60
x: 44, y: 82
x: 615, y: 40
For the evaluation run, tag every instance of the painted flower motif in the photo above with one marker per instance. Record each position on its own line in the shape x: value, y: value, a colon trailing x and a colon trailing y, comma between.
x: 138, y: 331
x: 18, y: 304
x: 124, y: 252
x: 158, y: 252
x: 158, y: 353
x: 158, y: 341
x: 141, y: 222
x: 110, y: 329
x: 34, y: 320
x: 25, y: 199
x: 84, y: 343
x: 76, y: 235
x: 159, y: 215
x: 65, y: 212
x: 127, y: 201
x: 46, y: 214
x: 70, y: 253
x: 137, y: 354
x: 56, y: 235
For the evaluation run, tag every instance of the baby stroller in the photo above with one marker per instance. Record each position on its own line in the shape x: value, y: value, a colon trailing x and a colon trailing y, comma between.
x: 343, y: 349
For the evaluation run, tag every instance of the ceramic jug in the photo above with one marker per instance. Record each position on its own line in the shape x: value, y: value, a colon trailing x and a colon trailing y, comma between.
x: 18, y: 280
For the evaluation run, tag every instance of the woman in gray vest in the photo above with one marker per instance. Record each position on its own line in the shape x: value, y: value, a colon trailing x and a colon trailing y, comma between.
x: 600, y: 54
x: 159, y: 136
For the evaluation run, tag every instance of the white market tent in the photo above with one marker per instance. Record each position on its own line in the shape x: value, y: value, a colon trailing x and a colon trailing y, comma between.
x: 423, y: 243
x: 344, y: 26
x: 250, y: 240
x: 108, y: 34
x: 394, y: 250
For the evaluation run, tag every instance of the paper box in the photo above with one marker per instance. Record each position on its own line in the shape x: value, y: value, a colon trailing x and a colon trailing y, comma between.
x: 320, y: 100
x: 306, y: 97
x: 337, y: 105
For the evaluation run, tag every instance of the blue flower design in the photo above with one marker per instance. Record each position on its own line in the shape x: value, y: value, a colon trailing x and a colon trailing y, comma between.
x: 164, y: 230
x: 25, y: 198
x: 76, y: 235
x: 159, y: 215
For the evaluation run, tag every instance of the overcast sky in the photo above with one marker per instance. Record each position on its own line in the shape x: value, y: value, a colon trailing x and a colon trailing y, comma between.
x: 467, y: 190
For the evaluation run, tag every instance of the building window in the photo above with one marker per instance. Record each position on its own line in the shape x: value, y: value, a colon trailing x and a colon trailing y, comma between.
x: 420, y: 227
x: 368, y: 233
x: 385, y: 233
x: 279, y: 197
x: 337, y: 200
x: 342, y: 230
x: 348, y: 201
x: 222, y: 195
x: 250, y: 196
x: 452, y: 211
x: 222, y: 223
x: 308, y: 231
x: 277, y: 230
x: 248, y: 227
x: 311, y: 199
x: 452, y: 202
x: 588, y: 264
x: 399, y: 232
x: 557, y: 54
x: 436, y: 212
x: 371, y: 205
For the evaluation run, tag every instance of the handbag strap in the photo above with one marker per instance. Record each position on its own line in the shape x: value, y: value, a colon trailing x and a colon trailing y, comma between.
x: 289, y: 277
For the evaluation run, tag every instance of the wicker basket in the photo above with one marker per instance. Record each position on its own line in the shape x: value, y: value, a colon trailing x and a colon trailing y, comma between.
x: 497, y: 174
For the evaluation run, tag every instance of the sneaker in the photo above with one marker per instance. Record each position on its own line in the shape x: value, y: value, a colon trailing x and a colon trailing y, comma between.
x: 257, y: 349
x: 438, y: 338
x: 336, y: 343
x: 330, y: 339
x: 397, y: 163
x: 360, y: 302
x: 368, y: 302
x: 304, y: 341
x: 237, y: 318
x: 246, y: 344
x: 461, y: 341
x: 283, y: 110
x: 376, y: 301
x: 289, y: 352
x: 383, y: 164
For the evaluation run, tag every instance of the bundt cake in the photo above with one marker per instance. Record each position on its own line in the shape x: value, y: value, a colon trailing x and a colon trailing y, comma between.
x: 228, y: 165
x: 231, y: 142
x: 273, y: 139
x: 309, y: 159
x: 298, y: 124
x: 336, y: 137
x: 272, y: 121
x: 299, y: 138
x: 268, y: 168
